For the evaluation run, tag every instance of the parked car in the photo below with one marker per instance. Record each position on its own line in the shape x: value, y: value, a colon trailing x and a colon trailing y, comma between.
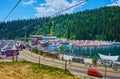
x: 3, y: 51
x: 93, y: 72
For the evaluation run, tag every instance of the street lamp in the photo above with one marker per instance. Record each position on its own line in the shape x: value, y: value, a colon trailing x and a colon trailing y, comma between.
x: 106, y: 64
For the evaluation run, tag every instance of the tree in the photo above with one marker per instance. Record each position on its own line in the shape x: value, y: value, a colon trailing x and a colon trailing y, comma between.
x: 96, y: 24
x: 94, y: 60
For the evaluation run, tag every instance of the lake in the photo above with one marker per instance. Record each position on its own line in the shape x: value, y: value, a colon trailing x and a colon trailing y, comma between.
x: 84, y: 51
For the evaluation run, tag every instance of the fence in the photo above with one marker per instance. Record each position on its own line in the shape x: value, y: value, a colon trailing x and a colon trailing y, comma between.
x: 74, y: 66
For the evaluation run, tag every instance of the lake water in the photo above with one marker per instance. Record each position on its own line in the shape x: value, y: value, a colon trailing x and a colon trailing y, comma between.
x: 84, y: 51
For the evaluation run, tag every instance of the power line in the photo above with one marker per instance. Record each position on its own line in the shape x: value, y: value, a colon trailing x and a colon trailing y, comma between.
x: 10, y: 32
x: 69, y: 8
x: 60, y: 11
x: 12, y: 10
x: 50, y: 16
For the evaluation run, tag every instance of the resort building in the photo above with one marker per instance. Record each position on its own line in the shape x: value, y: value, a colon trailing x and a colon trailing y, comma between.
x: 40, y: 39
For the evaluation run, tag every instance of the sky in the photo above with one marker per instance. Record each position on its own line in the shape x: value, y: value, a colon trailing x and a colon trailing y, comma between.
x: 40, y: 8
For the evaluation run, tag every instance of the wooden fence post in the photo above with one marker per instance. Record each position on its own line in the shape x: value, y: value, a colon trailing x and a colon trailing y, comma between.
x: 16, y: 58
x: 65, y: 66
x: 39, y: 61
x: 12, y: 58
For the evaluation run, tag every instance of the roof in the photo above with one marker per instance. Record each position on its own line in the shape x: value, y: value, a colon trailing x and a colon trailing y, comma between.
x: 36, y: 36
x: 105, y: 57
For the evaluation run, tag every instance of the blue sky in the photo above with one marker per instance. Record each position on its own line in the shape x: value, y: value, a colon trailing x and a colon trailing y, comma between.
x: 40, y: 8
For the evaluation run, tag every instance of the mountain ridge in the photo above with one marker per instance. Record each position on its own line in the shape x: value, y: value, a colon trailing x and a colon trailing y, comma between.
x: 96, y: 24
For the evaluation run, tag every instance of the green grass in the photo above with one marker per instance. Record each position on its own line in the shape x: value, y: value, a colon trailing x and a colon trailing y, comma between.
x: 28, y: 70
x: 50, y: 69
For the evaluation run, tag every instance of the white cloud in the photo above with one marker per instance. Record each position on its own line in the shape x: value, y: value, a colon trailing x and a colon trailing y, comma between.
x: 51, y: 7
x: 28, y: 2
x: 115, y: 3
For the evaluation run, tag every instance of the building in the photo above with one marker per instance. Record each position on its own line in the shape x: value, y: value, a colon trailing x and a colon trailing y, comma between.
x: 40, y: 39
x: 34, y: 39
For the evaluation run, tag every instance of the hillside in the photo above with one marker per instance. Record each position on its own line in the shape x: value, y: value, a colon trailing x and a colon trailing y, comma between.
x: 27, y: 70
x: 100, y: 24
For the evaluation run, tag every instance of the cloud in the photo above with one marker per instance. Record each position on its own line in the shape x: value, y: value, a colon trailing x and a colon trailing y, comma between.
x: 115, y: 3
x: 28, y: 2
x: 51, y: 7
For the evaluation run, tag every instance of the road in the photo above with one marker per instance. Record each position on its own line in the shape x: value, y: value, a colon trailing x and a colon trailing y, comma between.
x: 75, y: 68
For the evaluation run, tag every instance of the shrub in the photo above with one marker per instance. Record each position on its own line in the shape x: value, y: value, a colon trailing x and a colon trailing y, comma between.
x: 34, y: 50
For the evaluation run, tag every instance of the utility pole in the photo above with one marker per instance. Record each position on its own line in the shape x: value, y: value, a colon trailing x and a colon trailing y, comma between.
x: 25, y: 31
x: 105, y: 71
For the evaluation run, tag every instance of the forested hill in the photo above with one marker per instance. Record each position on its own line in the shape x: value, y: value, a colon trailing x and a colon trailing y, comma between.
x: 100, y: 24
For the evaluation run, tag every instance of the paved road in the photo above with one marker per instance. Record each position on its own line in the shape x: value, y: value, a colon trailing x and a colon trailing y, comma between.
x: 73, y: 67
x: 80, y: 71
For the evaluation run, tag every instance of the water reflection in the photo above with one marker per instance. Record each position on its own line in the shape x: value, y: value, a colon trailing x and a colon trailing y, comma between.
x: 83, y: 51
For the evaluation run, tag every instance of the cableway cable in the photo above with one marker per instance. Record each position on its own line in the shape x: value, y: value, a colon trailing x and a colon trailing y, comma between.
x: 12, y: 10
x: 50, y: 16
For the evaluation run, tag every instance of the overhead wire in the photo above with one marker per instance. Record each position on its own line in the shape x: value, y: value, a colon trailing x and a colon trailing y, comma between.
x: 69, y: 8
x: 12, y: 10
x: 49, y: 16
x: 62, y: 11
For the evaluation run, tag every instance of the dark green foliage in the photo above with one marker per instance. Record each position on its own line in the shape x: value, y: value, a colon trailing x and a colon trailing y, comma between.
x: 95, y: 59
x: 61, y: 48
x: 25, y: 40
x: 34, y: 50
x: 100, y: 24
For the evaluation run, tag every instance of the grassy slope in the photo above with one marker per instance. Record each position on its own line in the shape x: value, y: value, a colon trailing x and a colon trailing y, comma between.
x: 27, y: 70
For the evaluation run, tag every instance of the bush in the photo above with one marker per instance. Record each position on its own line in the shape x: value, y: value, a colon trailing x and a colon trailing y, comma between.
x: 34, y: 50
x: 95, y: 59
